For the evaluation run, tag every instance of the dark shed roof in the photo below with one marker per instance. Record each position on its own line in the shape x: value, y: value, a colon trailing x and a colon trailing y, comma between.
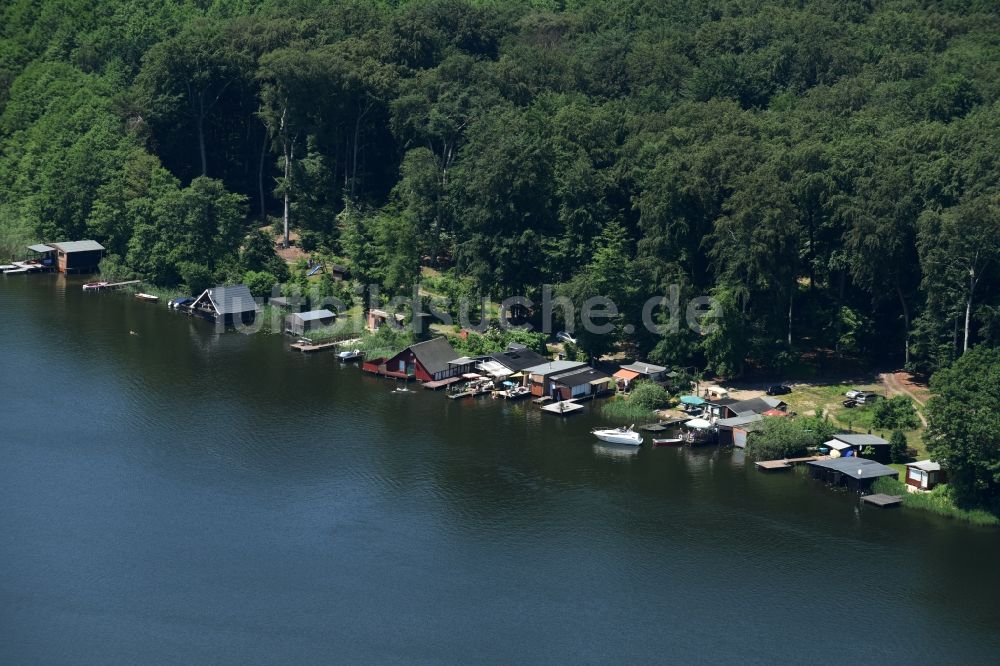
x: 518, y: 359
x: 856, y: 468
x: 580, y: 377
x: 233, y: 299
x: 434, y: 354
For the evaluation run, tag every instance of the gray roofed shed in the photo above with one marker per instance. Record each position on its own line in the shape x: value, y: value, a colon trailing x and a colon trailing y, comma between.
x: 861, y: 440
x: 856, y: 468
x: 77, y: 246
x: 233, y: 299
x: 41, y: 249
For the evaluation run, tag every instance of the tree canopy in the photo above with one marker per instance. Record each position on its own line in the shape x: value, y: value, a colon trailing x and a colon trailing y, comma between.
x: 827, y: 172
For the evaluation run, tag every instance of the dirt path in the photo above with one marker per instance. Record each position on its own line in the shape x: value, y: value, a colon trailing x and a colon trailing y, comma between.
x: 895, y: 386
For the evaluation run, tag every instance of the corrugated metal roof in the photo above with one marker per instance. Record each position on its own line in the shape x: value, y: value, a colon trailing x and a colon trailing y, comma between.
x: 313, y: 315
x: 578, y: 378
x: 644, y: 368
x: 739, y: 420
x: 925, y: 465
x: 77, y: 246
x: 857, y: 468
x: 40, y: 248
x: 861, y: 440
x: 232, y: 299
x: 552, y: 367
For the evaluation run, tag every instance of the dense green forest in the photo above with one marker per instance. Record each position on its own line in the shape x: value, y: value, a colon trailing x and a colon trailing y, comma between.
x: 827, y: 171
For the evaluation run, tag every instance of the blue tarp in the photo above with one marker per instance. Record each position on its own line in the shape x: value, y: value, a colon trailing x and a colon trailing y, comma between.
x: 318, y: 267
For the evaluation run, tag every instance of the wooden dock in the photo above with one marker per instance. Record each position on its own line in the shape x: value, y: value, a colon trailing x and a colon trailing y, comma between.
x: 109, y: 285
x: 440, y: 383
x: 785, y: 463
x: 882, y: 500
x: 307, y: 348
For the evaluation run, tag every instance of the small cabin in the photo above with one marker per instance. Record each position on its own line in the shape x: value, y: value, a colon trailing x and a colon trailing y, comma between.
x: 77, y: 256
x: 654, y: 373
x: 733, y: 431
x: 923, y: 475
x: 225, y: 304
x: 376, y: 319
x: 300, y: 323
x: 847, y: 445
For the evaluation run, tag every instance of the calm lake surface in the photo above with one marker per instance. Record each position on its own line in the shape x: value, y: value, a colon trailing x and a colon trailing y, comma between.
x: 183, y: 496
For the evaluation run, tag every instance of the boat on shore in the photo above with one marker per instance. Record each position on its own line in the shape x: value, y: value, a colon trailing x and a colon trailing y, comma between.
x: 618, y: 435
x: 351, y: 355
x: 147, y: 297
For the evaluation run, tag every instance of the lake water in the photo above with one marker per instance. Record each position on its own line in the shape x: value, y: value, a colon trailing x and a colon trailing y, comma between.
x: 184, y: 496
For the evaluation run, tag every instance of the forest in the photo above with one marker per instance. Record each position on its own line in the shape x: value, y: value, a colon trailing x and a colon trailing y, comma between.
x: 827, y: 172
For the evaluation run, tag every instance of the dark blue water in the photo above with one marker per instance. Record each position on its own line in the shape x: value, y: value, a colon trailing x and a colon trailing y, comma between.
x: 183, y: 496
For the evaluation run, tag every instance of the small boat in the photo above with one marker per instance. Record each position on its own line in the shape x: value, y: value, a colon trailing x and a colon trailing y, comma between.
x: 350, y: 355
x: 618, y: 435
x: 668, y: 441
x: 401, y: 389
x: 93, y: 286
x: 147, y: 297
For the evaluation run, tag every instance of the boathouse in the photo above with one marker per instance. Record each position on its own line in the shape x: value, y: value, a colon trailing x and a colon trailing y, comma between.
x: 75, y: 256
x: 427, y: 361
x: 505, y: 364
x: 538, y: 377
x: 733, y: 431
x: 584, y: 383
x: 299, y: 323
x: 866, y: 446
x: 225, y: 304
x: 923, y: 475
x: 856, y: 474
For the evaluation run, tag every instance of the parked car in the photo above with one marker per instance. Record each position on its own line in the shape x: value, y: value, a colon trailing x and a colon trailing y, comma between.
x: 563, y: 336
x: 853, y: 393
x: 867, y: 398
x: 779, y: 389
x: 850, y: 403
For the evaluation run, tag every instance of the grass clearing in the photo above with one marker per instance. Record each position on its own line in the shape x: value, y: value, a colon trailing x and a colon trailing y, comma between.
x: 937, y: 501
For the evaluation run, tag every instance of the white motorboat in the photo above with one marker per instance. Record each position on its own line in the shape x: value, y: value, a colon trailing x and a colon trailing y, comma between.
x: 618, y: 435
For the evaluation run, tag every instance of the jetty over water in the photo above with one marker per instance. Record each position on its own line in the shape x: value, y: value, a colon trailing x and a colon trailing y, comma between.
x: 786, y: 463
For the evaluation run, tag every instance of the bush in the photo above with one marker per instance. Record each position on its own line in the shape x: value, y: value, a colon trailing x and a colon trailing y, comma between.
x: 196, y: 277
x: 898, y: 448
x: 940, y: 501
x: 259, y: 283
x: 785, y: 437
x: 649, y: 396
x: 896, y: 412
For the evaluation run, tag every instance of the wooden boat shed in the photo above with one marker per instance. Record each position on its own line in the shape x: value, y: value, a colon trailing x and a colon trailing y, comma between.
x: 225, y: 304
x: 299, y: 323
x: 71, y: 256
x: 856, y: 474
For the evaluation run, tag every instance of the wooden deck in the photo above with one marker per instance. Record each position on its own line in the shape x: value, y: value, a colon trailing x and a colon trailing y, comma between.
x: 882, y: 500
x: 786, y: 463
x: 563, y: 407
x: 441, y: 383
x: 113, y: 285
x: 307, y: 348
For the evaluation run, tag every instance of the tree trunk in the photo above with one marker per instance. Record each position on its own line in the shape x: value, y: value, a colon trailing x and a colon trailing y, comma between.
x: 260, y: 177
x: 287, y: 149
x: 201, y: 135
x: 791, y: 300
x: 906, y: 322
x: 354, y: 158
